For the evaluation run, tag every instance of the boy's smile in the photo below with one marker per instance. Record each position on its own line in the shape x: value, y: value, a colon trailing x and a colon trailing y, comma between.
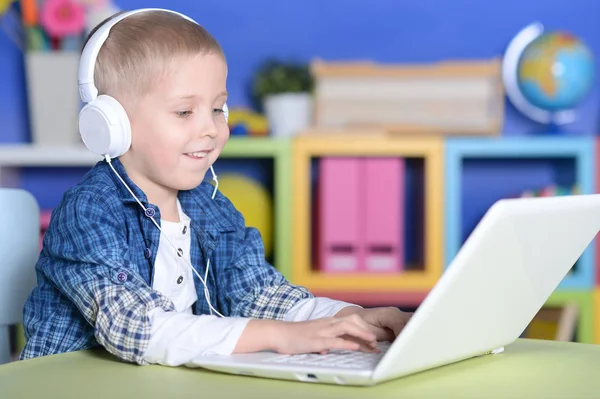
x: 178, y: 128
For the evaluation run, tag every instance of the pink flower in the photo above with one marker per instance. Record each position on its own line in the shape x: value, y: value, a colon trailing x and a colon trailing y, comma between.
x: 62, y: 18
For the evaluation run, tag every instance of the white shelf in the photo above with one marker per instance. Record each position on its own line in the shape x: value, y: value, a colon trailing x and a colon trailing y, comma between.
x: 23, y: 155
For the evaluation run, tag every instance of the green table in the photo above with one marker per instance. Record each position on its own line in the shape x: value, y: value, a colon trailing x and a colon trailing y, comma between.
x: 527, y: 369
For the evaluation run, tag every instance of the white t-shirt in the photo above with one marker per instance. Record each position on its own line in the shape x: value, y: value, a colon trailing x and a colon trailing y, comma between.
x: 180, y: 337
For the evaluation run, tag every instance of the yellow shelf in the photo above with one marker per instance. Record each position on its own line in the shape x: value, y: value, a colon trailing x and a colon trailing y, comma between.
x: 406, y: 281
x: 430, y: 149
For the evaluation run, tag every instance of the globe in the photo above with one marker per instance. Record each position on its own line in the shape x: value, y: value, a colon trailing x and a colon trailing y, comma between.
x: 546, y: 75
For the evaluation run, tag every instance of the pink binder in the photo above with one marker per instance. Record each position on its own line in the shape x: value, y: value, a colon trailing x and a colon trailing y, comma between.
x: 383, y: 214
x: 340, y: 243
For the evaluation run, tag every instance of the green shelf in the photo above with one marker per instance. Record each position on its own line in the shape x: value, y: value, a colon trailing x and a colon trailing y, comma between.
x: 585, y: 302
x: 255, y: 147
x: 279, y: 150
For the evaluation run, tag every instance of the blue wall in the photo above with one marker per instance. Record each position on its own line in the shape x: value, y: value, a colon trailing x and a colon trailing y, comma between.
x: 382, y: 30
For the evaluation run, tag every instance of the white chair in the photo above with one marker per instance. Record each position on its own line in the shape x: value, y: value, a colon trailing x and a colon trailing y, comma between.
x: 19, y: 251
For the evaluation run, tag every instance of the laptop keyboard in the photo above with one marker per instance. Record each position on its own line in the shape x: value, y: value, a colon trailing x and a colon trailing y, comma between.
x: 341, y: 359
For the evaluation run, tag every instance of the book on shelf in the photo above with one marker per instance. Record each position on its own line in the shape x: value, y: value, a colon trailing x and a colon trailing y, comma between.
x: 361, y: 215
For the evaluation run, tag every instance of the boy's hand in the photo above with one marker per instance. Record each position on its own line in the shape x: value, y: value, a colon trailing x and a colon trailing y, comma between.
x: 321, y: 335
x: 386, y: 322
x: 352, y: 328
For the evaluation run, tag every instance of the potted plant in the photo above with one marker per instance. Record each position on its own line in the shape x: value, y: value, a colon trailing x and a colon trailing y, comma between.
x: 284, y: 92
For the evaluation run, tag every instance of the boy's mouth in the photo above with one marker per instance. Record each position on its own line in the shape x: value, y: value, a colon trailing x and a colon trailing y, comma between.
x: 197, y: 154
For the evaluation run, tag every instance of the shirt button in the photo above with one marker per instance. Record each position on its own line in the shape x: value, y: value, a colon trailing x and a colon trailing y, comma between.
x: 147, y: 253
x: 180, y: 280
x: 184, y: 229
x: 149, y: 212
x: 121, y: 277
x: 180, y: 252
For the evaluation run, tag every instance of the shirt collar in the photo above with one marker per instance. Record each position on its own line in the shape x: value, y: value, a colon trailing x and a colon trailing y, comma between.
x: 199, y: 206
x: 124, y: 194
x: 196, y: 203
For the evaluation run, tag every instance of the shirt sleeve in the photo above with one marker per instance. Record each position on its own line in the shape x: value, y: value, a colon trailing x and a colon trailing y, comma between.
x: 86, y: 257
x: 182, y: 338
x: 315, y: 308
x: 253, y: 287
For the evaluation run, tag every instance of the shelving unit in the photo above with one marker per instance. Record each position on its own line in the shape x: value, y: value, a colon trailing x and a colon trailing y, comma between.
x: 376, y: 287
x: 446, y: 168
x: 581, y: 150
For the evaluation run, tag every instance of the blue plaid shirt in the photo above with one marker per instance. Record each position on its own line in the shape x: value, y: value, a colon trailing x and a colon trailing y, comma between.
x: 95, y: 271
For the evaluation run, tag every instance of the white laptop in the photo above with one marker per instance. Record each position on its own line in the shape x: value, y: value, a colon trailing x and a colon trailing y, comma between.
x: 501, y: 277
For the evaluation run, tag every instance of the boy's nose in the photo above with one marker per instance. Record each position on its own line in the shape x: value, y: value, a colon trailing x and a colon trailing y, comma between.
x: 211, y: 132
x: 208, y: 127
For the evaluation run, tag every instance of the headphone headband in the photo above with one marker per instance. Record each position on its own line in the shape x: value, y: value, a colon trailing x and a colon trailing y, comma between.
x: 87, y: 62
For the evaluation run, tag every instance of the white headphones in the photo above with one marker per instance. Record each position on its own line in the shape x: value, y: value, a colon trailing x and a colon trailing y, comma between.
x: 103, y: 123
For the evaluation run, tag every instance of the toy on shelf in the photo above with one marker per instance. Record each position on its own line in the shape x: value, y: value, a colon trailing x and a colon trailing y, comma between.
x: 361, y: 215
x: 532, y: 82
x: 245, y: 122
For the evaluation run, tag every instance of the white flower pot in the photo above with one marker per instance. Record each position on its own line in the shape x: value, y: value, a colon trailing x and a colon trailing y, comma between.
x: 288, y: 113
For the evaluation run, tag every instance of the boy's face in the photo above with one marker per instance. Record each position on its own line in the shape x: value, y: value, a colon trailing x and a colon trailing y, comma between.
x: 178, y: 128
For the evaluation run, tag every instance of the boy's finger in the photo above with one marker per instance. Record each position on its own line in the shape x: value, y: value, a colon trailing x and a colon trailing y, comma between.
x: 386, y: 334
x: 337, y: 343
x: 370, y: 346
x: 345, y: 327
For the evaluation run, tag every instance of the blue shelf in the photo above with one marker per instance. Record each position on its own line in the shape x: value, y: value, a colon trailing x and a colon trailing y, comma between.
x: 526, y: 162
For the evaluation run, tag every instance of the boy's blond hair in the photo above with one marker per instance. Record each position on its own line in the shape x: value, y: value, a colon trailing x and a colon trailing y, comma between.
x: 140, y: 49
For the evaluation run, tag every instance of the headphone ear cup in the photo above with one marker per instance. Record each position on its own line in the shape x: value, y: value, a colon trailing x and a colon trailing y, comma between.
x: 104, y: 127
x: 226, y: 112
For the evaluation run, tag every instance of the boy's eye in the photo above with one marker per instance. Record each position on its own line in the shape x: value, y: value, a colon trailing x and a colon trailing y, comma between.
x: 184, y: 114
x: 218, y: 111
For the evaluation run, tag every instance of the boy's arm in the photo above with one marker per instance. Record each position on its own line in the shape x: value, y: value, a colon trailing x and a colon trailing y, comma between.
x: 86, y: 258
x: 182, y: 338
x: 255, y: 289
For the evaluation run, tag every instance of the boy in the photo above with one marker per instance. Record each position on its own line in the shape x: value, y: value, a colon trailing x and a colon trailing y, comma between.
x: 115, y: 275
